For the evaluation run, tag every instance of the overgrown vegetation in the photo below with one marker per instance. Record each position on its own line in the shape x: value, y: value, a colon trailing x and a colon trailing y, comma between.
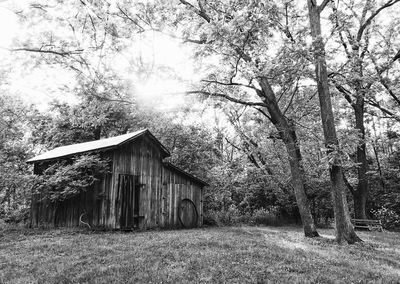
x: 65, y: 179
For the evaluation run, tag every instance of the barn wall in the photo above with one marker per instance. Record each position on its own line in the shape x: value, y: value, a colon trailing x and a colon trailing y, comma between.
x: 176, y: 187
x: 142, y: 158
x: 93, y: 204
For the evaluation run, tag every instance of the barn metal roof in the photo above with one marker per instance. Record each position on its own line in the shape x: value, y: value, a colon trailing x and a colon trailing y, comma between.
x: 107, y: 143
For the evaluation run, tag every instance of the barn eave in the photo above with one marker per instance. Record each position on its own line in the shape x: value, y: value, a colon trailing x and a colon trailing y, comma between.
x: 197, y: 180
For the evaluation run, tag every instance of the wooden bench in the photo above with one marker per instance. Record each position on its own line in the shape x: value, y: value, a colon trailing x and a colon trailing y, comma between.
x: 367, y: 224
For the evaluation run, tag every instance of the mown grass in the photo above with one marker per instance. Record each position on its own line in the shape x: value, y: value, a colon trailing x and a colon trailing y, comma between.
x: 232, y: 255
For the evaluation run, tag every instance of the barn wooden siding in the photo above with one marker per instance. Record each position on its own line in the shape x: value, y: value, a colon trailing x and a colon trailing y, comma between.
x: 177, y: 187
x: 68, y: 212
x: 137, y: 171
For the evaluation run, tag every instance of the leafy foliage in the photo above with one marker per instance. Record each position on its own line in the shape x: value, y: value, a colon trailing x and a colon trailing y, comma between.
x: 89, y: 120
x: 15, y: 177
x: 389, y: 218
x: 64, y: 180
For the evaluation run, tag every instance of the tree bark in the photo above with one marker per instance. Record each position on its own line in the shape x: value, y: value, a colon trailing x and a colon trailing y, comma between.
x: 287, y: 133
x: 360, y: 195
x: 289, y: 137
x: 344, y: 228
x: 379, y: 166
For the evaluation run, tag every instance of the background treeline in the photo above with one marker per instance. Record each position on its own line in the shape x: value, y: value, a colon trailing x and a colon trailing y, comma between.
x: 249, y: 181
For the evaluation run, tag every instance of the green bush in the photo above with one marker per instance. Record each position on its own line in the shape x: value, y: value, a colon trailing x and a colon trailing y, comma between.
x: 63, y: 180
x: 221, y: 217
x: 389, y: 218
x: 19, y: 215
x: 267, y: 217
x: 233, y: 216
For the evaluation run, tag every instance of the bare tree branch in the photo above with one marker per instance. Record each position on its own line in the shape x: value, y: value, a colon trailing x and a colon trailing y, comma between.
x: 49, y: 51
x: 346, y: 93
x: 229, y: 98
x: 344, y: 44
x: 229, y: 84
x: 381, y: 69
x: 383, y: 109
x: 384, y: 81
x: 296, y: 88
x: 201, y: 12
x: 385, y: 84
x: 129, y: 18
x: 263, y: 113
x: 367, y: 6
x: 372, y: 16
x: 323, y: 5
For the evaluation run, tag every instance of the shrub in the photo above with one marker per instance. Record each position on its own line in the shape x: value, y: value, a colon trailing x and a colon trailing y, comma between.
x: 390, y: 219
x: 18, y: 215
x: 268, y: 217
x: 232, y: 216
x: 62, y: 180
x: 221, y: 217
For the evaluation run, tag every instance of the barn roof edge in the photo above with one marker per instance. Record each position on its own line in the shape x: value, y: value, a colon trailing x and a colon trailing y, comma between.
x: 168, y: 164
x: 94, y: 146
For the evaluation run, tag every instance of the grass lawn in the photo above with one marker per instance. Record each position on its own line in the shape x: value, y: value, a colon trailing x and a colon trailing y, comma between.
x: 232, y: 254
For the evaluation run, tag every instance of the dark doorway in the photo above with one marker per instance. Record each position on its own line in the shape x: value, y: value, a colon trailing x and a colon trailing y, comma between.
x: 129, y: 189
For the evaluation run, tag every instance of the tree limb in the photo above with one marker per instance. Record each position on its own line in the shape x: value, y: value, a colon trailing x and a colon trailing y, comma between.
x: 373, y: 15
x: 49, y: 51
x: 199, y: 11
x: 389, y: 89
x: 323, y: 5
x: 346, y: 93
x: 129, y: 18
x: 263, y: 113
x: 383, y: 109
x: 229, y: 98
x: 292, y: 97
x: 229, y: 84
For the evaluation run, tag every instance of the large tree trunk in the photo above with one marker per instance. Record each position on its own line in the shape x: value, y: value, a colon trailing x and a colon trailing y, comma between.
x: 360, y: 195
x: 344, y: 228
x: 288, y: 134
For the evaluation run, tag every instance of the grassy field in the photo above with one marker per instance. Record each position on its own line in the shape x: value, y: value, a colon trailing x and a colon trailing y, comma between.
x: 234, y: 255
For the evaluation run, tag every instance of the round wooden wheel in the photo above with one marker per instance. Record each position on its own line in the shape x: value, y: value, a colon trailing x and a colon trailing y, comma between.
x: 188, y: 215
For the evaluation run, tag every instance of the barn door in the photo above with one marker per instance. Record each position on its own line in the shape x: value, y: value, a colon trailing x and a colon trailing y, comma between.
x: 188, y: 215
x: 129, y: 189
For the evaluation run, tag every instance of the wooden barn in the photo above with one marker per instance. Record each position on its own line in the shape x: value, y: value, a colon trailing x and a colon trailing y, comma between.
x: 141, y: 191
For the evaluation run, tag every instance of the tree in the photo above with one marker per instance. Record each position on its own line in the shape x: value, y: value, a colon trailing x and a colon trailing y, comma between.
x: 14, y: 150
x: 357, y: 77
x: 238, y: 34
x: 95, y: 116
x: 344, y: 228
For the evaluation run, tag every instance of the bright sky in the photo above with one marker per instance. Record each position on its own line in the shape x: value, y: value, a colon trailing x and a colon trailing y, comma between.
x: 8, y: 24
x: 38, y: 86
x: 42, y: 85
